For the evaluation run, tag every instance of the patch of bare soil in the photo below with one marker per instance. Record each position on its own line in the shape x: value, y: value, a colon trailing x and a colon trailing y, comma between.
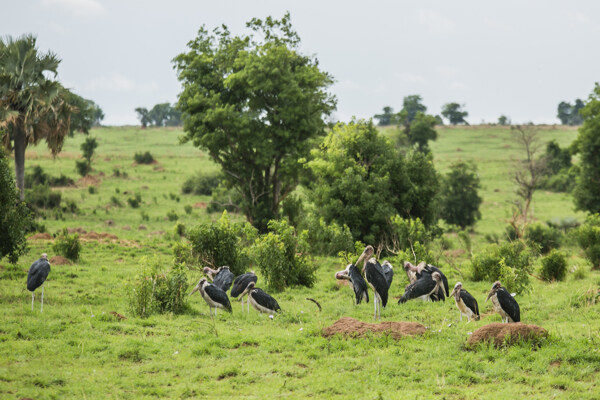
x: 76, y: 230
x: 503, y: 334
x: 41, y: 236
x: 99, y: 236
x: 88, y: 180
x: 142, y: 228
x: 119, y: 316
x: 126, y: 228
x: 60, y: 260
x: 200, y: 205
x: 351, y: 327
x: 109, y: 222
x: 158, y: 168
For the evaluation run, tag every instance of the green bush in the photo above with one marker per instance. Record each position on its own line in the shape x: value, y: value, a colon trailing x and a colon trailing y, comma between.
x: 135, y: 202
x: 115, y: 201
x: 172, y: 216
x: 222, y: 243
x: 92, y: 189
x: 554, y: 266
x: 41, y: 196
x: 67, y: 245
x: 37, y: 176
x: 327, y: 239
x: 82, y: 166
x: 203, y: 183
x: 224, y: 199
x: 282, y: 257
x: 188, y: 209
x: 543, y: 237
x: 143, y: 158
x: 588, y: 236
x: 153, y: 290
x: 510, y: 263
x: 182, y: 253
x: 564, y: 224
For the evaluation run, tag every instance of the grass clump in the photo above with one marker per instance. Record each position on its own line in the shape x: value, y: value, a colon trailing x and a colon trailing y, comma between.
x: 143, y: 158
x: 67, y: 245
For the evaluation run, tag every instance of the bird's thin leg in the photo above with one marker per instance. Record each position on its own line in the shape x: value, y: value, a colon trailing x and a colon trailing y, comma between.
x: 42, y: 310
x: 461, y: 316
x: 248, y: 301
x: 375, y: 304
x: 32, y: 298
x: 242, y: 298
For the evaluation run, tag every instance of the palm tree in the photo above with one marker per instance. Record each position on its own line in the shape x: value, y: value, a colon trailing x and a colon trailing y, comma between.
x: 32, y: 106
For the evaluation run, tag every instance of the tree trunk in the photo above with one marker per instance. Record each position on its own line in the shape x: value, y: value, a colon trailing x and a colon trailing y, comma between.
x: 20, y: 143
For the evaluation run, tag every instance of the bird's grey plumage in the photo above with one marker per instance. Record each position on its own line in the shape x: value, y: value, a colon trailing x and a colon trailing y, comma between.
x: 218, y: 295
x: 424, y: 286
x: 38, y: 272
x: 262, y: 301
x: 416, y: 272
x: 358, y: 283
x: 241, y: 282
x: 388, y: 272
x: 504, y: 303
x: 223, y: 279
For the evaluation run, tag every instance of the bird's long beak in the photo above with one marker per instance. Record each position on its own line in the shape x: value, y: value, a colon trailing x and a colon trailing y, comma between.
x: 490, y: 294
x: 195, y: 289
x: 453, y: 292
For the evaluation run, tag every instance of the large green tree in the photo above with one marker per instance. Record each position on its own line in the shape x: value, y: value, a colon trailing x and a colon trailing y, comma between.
x: 33, y: 107
x: 460, y: 199
x: 454, y: 113
x: 587, y: 188
x: 15, y: 217
x: 254, y: 102
x: 421, y: 131
x: 362, y: 180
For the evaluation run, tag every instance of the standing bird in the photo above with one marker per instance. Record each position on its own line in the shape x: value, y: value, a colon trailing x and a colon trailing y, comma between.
x: 213, y: 295
x: 260, y: 300
x: 424, y: 286
x: 504, y: 303
x: 375, y: 277
x: 388, y: 272
x: 240, y: 284
x: 38, y: 272
x: 221, y: 277
x: 466, y: 303
x: 352, y: 274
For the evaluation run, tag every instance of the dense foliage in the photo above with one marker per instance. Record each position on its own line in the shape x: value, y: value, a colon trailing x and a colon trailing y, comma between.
x: 459, y: 196
x: 588, y: 236
x: 163, y: 114
x: 509, y: 263
x: 361, y: 180
x: 67, y: 245
x: 143, y: 158
x: 587, y: 189
x: 542, y: 237
x: 254, y: 102
x: 203, y: 183
x: 554, y: 266
x: 570, y: 114
x: 454, y: 113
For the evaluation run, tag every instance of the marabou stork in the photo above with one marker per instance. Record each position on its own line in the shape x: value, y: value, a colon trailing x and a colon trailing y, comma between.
x: 38, y: 272
x: 260, y: 300
x: 424, y: 286
x: 221, y: 277
x: 504, y: 303
x: 375, y: 277
x: 423, y: 269
x: 213, y: 295
x: 466, y: 303
x: 240, y: 284
x: 352, y: 274
x: 388, y: 272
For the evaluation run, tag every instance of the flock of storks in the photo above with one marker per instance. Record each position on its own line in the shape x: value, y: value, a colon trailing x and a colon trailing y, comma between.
x: 427, y: 282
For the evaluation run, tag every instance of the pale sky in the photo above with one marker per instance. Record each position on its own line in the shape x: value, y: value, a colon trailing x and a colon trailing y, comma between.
x: 514, y: 57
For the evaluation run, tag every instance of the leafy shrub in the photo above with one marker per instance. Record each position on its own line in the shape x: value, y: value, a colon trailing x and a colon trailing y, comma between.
x: 224, y: 199
x: 118, y: 174
x: 203, y: 183
x: 509, y: 263
x: 542, y: 236
x: 588, y: 236
x: 188, y: 209
x: 115, y: 201
x: 179, y: 229
x: 67, y: 245
x: 282, y: 258
x: 41, y: 196
x: 564, y: 181
x: 145, y: 216
x: 38, y: 176
x: 182, y: 253
x: 327, y: 239
x: 172, y: 216
x: 153, y: 290
x: 92, y: 189
x: 564, y: 224
x: 221, y: 243
x: 135, y: 202
x: 554, y: 266
x: 143, y: 158
x: 82, y: 166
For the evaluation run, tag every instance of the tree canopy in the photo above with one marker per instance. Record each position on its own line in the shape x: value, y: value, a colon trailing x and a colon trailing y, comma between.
x: 460, y: 200
x: 254, y: 103
x: 454, y: 113
x: 570, y: 114
x: 387, y: 117
x: 587, y: 187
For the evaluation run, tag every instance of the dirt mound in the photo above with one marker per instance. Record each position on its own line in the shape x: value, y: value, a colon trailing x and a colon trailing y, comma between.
x: 200, y: 205
x: 88, y: 180
x: 60, y: 260
x: 76, y: 230
x: 41, y: 236
x: 353, y: 328
x: 500, y: 333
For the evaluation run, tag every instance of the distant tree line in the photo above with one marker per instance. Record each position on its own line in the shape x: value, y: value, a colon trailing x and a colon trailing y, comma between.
x: 163, y: 114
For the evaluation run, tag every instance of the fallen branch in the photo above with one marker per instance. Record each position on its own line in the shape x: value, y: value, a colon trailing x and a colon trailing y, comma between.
x: 314, y: 301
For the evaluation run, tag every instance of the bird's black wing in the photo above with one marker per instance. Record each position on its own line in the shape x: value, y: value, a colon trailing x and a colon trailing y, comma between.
x: 431, y: 269
x: 241, y: 282
x: 359, y: 284
x: 374, y: 275
x: 415, y: 290
x: 38, y: 272
x: 469, y: 301
x: 388, y: 273
x: 439, y: 295
x: 218, y: 296
x: 509, y: 305
x: 223, y: 279
x: 264, y: 299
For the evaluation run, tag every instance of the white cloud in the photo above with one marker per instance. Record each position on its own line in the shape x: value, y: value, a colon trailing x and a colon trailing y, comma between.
x: 77, y: 8
x: 435, y: 22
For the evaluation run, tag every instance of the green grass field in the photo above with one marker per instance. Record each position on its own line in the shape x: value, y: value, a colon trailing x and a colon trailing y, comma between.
x: 77, y: 349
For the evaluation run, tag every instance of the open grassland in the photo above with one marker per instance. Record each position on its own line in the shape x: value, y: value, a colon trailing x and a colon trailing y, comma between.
x: 78, y: 349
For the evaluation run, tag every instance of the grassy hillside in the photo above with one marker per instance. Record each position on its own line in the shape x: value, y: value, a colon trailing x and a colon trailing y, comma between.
x: 78, y: 349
